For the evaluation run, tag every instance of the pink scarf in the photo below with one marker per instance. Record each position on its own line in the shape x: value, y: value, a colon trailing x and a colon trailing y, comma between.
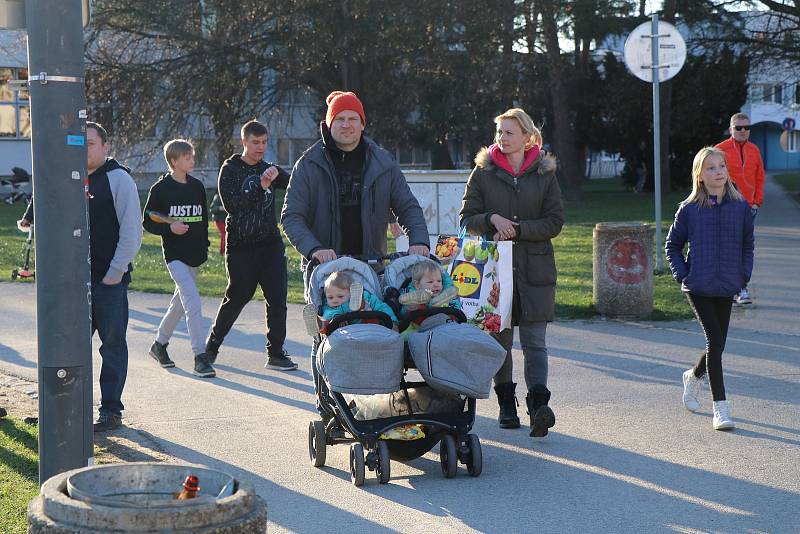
x: 501, y: 160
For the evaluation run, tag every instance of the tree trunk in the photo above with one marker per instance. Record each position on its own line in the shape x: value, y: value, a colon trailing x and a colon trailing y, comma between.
x: 509, y: 72
x: 440, y: 155
x: 563, y: 138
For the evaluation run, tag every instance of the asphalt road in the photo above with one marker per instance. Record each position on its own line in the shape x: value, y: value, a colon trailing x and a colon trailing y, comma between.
x: 624, y: 455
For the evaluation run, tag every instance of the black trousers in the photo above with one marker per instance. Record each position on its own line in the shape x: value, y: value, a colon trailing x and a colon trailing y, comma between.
x: 714, y: 314
x: 263, y: 265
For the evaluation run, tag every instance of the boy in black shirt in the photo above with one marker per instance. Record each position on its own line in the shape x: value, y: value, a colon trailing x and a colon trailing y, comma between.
x: 176, y: 210
x: 255, y: 254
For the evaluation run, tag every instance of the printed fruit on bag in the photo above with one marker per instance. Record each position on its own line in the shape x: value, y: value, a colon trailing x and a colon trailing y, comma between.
x: 482, y: 253
x: 447, y: 249
x: 496, y: 254
x: 469, y: 250
x: 494, y: 295
x: 491, y: 322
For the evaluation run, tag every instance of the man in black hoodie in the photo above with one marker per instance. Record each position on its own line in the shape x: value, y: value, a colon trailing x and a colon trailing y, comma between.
x: 255, y: 254
x: 115, y: 235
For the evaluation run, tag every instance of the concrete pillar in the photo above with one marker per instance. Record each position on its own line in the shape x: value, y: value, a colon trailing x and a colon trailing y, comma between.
x: 623, y: 269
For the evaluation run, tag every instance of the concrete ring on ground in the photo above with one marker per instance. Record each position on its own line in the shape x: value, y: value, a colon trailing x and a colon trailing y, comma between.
x: 55, y: 512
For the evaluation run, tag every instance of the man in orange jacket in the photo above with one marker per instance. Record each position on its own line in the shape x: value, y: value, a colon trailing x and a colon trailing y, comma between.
x: 746, y: 170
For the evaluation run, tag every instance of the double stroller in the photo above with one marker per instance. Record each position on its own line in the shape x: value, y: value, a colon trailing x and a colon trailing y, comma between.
x: 361, y: 366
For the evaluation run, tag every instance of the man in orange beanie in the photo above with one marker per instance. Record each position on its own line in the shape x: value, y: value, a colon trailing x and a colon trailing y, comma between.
x: 746, y: 170
x: 345, y: 189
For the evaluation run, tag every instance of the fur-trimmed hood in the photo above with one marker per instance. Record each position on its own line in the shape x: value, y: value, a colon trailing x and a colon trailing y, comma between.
x: 546, y: 162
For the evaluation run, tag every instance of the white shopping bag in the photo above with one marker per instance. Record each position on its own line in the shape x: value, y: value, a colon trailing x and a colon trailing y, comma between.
x: 483, y: 272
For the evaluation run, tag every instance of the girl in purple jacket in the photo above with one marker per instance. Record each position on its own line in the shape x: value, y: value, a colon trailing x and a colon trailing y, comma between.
x: 715, y: 222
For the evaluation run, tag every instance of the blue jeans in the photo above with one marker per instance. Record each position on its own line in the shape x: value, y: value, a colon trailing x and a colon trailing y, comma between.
x: 110, y: 321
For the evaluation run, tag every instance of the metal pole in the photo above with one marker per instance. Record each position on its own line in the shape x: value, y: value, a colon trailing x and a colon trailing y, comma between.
x: 656, y: 138
x: 58, y: 146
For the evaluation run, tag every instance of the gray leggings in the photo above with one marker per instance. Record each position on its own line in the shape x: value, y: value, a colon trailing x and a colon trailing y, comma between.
x: 534, y: 350
x: 185, y: 303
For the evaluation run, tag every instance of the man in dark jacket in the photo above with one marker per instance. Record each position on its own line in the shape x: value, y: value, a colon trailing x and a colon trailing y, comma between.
x: 255, y: 255
x: 345, y: 189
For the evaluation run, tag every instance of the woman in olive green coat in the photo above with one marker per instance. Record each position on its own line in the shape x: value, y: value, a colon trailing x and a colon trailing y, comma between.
x: 512, y: 194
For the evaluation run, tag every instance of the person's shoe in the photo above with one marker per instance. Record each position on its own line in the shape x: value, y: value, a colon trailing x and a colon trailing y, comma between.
x: 722, y: 416
x: 107, y: 421
x: 444, y: 297
x: 356, y: 296
x: 202, y: 366
x: 542, y: 416
x: 311, y: 320
x: 419, y: 296
x: 281, y: 361
x: 743, y: 298
x: 159, y: 354
x: 691, y: 390
x: 507, y: 400
x: 212, y: 348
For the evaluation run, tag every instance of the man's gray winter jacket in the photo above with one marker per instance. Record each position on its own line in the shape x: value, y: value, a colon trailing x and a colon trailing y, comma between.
x: 311, y: 214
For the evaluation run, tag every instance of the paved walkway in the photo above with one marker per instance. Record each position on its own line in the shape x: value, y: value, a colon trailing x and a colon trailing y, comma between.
x: 624, y: 457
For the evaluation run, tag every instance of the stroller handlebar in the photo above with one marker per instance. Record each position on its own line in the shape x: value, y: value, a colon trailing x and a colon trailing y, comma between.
x: 369, y: 259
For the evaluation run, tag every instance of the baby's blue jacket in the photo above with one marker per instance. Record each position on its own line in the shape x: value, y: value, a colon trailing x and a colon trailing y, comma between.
x: 373, y: 303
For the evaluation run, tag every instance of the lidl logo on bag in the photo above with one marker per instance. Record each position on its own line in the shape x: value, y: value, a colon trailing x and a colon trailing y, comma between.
x: 467, y: 278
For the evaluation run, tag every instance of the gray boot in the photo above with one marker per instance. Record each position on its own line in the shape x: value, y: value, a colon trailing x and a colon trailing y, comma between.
x: 542, y: 416
x: 508, y: 405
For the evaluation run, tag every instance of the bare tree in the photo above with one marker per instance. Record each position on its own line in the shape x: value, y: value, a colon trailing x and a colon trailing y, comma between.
x: 158, y: 69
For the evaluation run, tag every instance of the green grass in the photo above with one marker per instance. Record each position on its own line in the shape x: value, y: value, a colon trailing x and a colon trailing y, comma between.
x: 19, y: 473
x: 609, y: 201
x: 791, y: 183
x: 603, y: 201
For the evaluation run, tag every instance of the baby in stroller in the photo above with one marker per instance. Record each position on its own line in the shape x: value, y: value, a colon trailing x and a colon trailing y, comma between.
x: 415, y: 286
x: 428, y: 287
x: 342, y: 295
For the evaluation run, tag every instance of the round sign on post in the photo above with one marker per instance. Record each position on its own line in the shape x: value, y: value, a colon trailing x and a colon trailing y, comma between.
x: 639, y: 51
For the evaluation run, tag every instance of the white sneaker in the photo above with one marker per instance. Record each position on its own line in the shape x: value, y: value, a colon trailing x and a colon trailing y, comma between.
x: 722, y: 416
x: 691, y: 391
x: 356, y: 296
x: 311, y: 320
x: 743, y: 298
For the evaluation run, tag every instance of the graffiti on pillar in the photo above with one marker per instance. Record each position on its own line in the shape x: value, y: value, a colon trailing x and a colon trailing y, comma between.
x: 626, y: 262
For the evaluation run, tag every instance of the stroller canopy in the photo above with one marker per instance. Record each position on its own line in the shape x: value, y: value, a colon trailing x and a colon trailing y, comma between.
x: 397, y: 272
x: 359, y: 270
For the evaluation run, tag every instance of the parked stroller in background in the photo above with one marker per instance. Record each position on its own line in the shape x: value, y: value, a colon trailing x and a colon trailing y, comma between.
x: 20, y: 177
x: 360, y: 371
x: 25, y: 271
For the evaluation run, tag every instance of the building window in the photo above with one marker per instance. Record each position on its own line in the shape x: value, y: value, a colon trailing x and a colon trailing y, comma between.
x: 797, y: 94
x: 777, y: 94
x: 792, y: 141
x: 15, y: 114
x: 290, y: 150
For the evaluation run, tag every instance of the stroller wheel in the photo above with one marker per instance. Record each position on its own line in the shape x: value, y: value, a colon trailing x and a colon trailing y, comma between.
x: 316, y: 443
x: 357, y: 464
x: 475, y: 462
x: 448, y: 456
x: 384, y: 468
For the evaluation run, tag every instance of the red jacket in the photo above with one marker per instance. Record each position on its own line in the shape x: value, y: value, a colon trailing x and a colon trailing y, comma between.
x: 745, y: 168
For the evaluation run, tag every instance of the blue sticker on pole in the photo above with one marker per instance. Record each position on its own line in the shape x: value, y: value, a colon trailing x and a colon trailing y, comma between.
x: 76, y: 140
